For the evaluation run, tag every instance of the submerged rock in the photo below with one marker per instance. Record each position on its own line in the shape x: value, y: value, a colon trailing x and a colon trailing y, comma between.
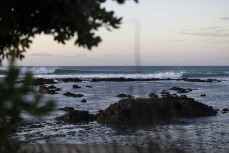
x: 149, y: 110
x: 76, y: 116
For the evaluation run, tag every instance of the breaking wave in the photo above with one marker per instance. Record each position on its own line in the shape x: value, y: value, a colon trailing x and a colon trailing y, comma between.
x: 117, y: 72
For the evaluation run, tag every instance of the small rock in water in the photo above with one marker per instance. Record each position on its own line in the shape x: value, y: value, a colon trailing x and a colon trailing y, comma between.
x: 88, y: 86
x: 83, y: 100
x: 69, y: 94
x: 181, y: 90
x: 52, y: 87
x: 52, y: 92
x: 124, y: 95
x: 203, y: 95
x: 225, y: 109
x: 44, y: 89
x: 76, y: 87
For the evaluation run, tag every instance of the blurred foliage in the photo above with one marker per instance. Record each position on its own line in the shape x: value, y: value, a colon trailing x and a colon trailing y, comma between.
x: 15, y: 99
x: 21, y: 20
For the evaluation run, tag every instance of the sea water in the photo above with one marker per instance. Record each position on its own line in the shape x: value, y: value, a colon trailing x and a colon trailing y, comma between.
x: 208, y: 134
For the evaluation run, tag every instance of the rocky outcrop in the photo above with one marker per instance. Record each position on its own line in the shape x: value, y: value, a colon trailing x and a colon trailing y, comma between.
x: 42, y: 81
x: 71, y: 80
x: 149, y: 110
x: 69, y: 94
x: 121, y: 79
x: 180, y: 90
x: 200, y: 80
x: 76, y: 116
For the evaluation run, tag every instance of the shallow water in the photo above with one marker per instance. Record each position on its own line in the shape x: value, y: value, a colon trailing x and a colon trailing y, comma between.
x: 208, y: 134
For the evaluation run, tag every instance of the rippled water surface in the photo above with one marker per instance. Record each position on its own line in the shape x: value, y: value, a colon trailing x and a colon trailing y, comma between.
x: 208, y: 134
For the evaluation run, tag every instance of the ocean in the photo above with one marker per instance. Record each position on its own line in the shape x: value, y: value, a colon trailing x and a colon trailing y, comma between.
x: 127, y: 71
x: 208, y: 134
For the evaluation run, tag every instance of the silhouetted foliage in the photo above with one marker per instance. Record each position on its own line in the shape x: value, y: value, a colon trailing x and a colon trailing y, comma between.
x: 14, y: 101
x: 21, y: 20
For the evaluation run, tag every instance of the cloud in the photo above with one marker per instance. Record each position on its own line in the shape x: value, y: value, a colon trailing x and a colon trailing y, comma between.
x: 224, y: 18
x: 214, y: 32
x: 41, y: 54
x: 55, y: 55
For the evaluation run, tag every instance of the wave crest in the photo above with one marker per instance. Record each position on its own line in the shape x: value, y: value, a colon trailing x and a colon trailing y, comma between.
x: 38, y: 70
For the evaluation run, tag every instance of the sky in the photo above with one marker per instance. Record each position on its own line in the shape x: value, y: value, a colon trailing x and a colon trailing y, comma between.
x: 172, y: 33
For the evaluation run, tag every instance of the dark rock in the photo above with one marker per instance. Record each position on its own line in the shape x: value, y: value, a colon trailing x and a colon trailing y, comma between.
x: 71, y: 80
x: 76, y: 87
x: 76, y: 116
x: 58, y: 89
x: 203, y: 95
x: 69, y: 94
x: 183, y: 96
x: 43, y: 89
x: 67, y: 109
x: 100, y: 111
x: 199, y: 80
x: 128, y: 111
x: 225, y: 109
x: 124, y: 95
x: 152, y: 79
x: 52, y: 87
x: 83, y: 100
x: 52, y: 92
x: 41, y: 81
x: 153, y: 95
x: 180, y: 90
x: 88, y: 86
